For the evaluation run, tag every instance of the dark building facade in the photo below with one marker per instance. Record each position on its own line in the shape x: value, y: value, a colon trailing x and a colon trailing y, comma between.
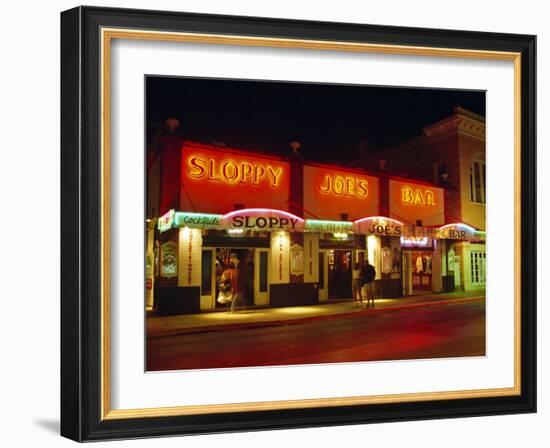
x: 293, y: 229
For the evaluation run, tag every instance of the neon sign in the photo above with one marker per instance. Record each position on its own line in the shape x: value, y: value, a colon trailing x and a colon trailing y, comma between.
x: 457, y: 231
x: 345, y: 186
x: 319, y: 225
x: 197, y: 220
x: 232, y: 171
x: 379, y: 225
x: 263, y: 219
x: 415, y: 241
x: 417, y: 196
x: 166, y: 221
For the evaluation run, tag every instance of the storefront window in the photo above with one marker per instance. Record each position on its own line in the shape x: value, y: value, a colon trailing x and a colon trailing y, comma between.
x: 477, y: 263
x: 422, y: 270
x: 386, y: 260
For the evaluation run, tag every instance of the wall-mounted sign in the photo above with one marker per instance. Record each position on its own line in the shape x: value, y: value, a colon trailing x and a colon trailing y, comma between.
x: 213, y: 181
x: 457, y: 232
x: 386, y: 261
x: 296, y: 259
x: 320, y: 226
x: 330, y: 192
x: 415, y: 203
x: 262, y: 219
x: 198, y: 220
x: 190, y: 243
x: 378, y: 225
x: 311, y: 258
x: 451, y: 260
x: 338, y: 185
x: 417, y: 196
x: 395, y: 245
x: 280, y: 257
x: 233, y: 171
x: 166, y: 221
x: 416, y: 241
x: 169, y: 259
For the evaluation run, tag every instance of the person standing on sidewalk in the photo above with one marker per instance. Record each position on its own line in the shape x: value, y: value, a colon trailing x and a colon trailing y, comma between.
x: 356, y: 284
x: 368, y: 274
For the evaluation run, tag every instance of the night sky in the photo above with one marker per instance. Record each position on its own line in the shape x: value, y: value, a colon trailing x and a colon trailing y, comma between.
x: 329, y: 120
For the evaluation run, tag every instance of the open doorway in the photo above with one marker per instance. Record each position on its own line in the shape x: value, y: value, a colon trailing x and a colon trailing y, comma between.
x: 339, y: 274
x: 242, y: 260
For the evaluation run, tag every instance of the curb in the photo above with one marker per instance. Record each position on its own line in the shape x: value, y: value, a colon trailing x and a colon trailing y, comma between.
x: 300, y: 320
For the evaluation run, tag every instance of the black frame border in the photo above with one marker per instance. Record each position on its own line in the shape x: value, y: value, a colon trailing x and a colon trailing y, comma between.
x: 81, y: 223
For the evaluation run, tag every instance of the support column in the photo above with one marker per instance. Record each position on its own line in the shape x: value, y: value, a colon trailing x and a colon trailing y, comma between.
x: 311, y: 258
x: 280, y: 258
x: 437, y: 281
x: 189, y: 257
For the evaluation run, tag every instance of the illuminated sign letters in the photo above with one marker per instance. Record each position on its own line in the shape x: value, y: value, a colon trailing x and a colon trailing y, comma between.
x: 233, y: 171
x: 457, y: 232
x: 262, y: 222
x: 260, y: 219
x: 166, y: 221
x: 417, y: 196
x: 378, y: 225
x: 345, y: 186
x: 198, y: 220
x: 315, y: 225
x: 390, y: 230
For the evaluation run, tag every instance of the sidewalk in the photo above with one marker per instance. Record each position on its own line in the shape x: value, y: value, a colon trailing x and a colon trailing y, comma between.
x: 264, y: 317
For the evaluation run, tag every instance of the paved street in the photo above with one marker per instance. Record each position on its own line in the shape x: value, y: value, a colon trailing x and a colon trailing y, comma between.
x: 449, y: 330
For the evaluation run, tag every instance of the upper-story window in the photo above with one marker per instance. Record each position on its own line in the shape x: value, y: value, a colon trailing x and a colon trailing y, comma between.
x: 477, y: 182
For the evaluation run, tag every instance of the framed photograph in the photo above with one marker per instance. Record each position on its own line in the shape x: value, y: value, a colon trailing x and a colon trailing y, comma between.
x: 277, y: 224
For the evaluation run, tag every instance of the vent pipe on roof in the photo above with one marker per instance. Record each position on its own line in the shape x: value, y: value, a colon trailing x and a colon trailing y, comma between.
x: 295, y: 146
x: 172, y: 124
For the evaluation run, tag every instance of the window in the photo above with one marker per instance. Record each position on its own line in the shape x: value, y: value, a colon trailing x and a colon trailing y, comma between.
x: 477, y: 265
x: 477, y: 182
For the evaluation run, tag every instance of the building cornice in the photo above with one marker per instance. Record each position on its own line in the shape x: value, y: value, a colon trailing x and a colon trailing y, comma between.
x: 462, y: 121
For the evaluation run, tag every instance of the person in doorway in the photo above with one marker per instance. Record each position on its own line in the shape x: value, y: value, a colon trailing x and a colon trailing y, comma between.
x: 237, y: 283
x: 229, y: 282
x: 419, y: 264
x: 356, y: 284
x: 243, y: 276
x: 368, y: 274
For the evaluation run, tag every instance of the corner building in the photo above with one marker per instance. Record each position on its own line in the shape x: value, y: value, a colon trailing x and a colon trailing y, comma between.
x: 451, y: 155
